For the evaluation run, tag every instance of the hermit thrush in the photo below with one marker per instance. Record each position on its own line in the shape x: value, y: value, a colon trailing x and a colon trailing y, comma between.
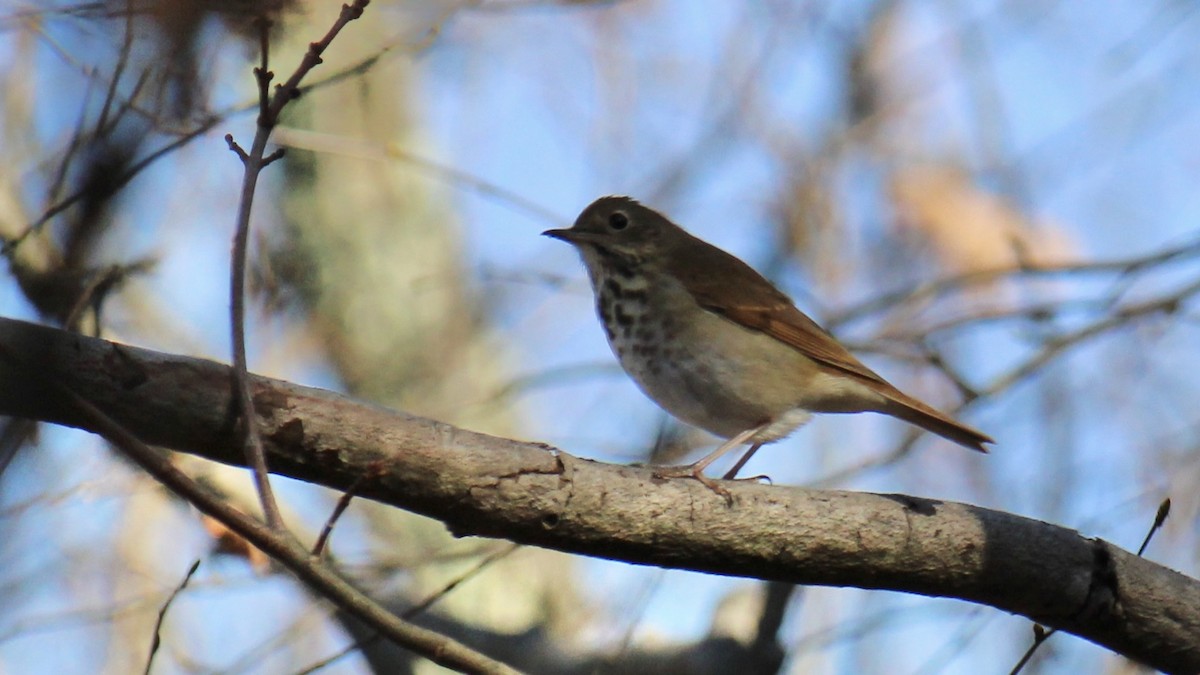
x: 716, y: 345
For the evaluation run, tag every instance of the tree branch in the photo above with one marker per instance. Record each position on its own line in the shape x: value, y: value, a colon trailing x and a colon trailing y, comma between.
x: 532, y: 494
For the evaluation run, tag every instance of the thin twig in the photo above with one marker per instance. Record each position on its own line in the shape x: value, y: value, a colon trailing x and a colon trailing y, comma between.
x: 253, y: 162
x: 118, y: 71
x: 98, y: 287
x: 118, y: 182
x: 60, y: 175
x: 480, y: 566
x: 339, y: 654
x: 162, y: 614
x: 1040, y: 635
x: 1053, y: 348
x: 433, y: 646
x: 1164, y: 509
x: 895, y: 301
x: 358, y: 68
x: 312, y: 58
x: 342, y: 504
x: 252, y: 443
x: 415, y: 610
x: 1059, y: 344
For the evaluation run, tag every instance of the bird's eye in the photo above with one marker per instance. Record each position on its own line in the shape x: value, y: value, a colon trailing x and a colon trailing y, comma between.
x: 618, y: 221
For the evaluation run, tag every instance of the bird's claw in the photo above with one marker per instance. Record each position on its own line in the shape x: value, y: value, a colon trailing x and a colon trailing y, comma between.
x: 696, y: 473
x: 760, y: 477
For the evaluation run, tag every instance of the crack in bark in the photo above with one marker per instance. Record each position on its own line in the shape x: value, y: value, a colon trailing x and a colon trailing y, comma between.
x: 1103, y: 598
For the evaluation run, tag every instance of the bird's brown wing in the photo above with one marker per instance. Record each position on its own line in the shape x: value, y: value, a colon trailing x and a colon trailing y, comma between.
x: 752, y: 301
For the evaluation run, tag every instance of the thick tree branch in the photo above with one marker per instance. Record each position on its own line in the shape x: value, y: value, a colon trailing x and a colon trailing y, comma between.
x: 532, y: 494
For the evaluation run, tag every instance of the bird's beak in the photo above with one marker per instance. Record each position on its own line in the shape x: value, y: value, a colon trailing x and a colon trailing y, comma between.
x: 569, y: 236
x: 562, y: 235
x: 573, y: 236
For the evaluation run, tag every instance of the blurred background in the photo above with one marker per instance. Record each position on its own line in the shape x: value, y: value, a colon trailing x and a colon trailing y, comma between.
x: 994, y: 203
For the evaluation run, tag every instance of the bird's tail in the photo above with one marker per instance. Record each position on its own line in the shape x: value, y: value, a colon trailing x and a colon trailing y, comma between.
x: 915, y: 412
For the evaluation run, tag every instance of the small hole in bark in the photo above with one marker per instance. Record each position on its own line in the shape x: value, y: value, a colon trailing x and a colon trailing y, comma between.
x: 550, y: 521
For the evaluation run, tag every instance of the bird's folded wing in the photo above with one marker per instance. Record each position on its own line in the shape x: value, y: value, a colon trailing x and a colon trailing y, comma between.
x: 755, y: 303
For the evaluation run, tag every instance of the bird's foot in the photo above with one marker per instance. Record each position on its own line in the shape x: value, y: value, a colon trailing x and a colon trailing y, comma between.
x: 694, y: 471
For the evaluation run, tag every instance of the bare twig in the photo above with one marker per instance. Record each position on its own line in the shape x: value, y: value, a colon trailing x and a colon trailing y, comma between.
x: 932, y: 289
x: 1040, y: 635
x: 338, y: 655
x: 97, y: 289
x: 162, y: 614
x: 1056, y: 346
x: 416, y: 609
x: 1052, y: 348
x: 122, y: 63
x: 184, y: 137
x: 343, y: 503
x: 433, y: 646
x: 118, y: 182
x: 442, y: 592
x: 68, y: 156
x: 253, y: 162
x: 1164, y: 509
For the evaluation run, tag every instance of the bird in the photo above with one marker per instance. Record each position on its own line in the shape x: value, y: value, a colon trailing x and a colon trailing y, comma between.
x: 717, y: 345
